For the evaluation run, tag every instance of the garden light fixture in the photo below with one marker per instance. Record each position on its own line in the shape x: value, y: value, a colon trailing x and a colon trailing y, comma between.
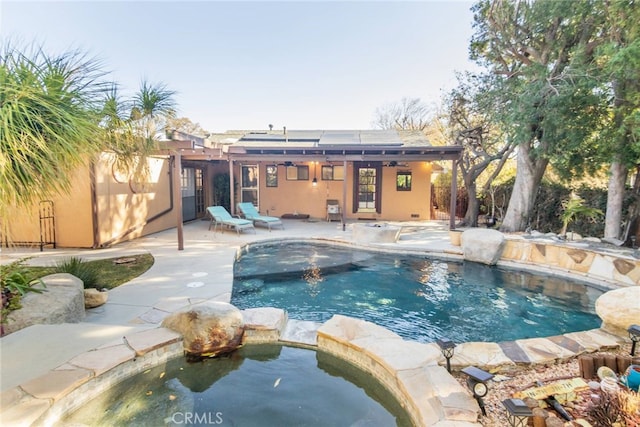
x: 517, y: 412
x: 634, y: 334
x: 477, y: 383
x: 446, y: 347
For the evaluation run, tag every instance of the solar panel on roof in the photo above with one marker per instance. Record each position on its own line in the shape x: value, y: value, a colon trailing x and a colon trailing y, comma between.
x: 380, y: 137
x: 340, y: 138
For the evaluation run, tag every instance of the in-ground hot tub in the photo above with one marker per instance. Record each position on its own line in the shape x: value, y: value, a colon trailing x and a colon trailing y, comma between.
x: 376, y: 233
x: 258, y: 384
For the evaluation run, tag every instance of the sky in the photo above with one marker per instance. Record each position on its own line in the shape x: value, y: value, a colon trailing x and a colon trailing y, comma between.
x: 245, y: 65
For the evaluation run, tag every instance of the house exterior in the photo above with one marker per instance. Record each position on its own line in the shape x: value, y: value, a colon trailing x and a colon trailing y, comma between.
x: 372, y: 174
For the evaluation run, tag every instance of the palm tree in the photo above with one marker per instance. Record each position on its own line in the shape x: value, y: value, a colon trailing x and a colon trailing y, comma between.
x: 48, y: 121
x: 131, y: 125
x: 152, y: 106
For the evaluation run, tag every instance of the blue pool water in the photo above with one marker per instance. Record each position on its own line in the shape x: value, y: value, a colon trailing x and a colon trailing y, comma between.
x: 418, y: 298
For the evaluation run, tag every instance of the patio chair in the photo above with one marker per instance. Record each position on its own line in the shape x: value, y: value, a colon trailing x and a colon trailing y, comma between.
x: 333, y: 210
x: 250, y: 212
x: 219, y: 215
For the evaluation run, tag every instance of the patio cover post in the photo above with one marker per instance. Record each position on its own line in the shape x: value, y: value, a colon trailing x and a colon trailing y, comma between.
x: 232, y: 205
x: 454, y: 195
x: 177, y: 194
x: 344, y: 192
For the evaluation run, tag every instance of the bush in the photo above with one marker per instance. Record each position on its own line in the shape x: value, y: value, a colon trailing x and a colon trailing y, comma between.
x: 83, y: 270
x: 15, y: 282
x: 548, y: 209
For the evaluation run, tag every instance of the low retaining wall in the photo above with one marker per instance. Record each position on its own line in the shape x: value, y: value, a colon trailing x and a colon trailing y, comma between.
x: 603, y: 266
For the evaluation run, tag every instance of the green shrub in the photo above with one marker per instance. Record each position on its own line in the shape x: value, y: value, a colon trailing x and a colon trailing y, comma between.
x: 548, y: 209
x: 15, y: 282
x: 83, y: 270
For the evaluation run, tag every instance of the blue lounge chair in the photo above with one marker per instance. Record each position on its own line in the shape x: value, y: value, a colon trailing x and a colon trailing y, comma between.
x: 219, y: 215
x: 251, y: 213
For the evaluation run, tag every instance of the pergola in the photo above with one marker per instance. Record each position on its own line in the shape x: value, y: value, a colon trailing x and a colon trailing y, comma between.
x: 318, y: 146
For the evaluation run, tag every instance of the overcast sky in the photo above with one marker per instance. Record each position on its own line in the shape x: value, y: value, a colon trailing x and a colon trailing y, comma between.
x: 245, y: 65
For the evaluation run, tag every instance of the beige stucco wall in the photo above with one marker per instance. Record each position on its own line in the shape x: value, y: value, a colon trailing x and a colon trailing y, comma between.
x: 129, y: 207
x: 72, y: 212
x: 124, y: 208
x: 302, y: 197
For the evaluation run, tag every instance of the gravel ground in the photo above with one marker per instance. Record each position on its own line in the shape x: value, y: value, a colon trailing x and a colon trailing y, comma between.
x: 504, y: 386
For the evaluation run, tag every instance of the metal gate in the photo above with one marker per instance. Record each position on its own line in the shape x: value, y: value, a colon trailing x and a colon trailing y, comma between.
x: 441, y: 200
x: 47, y: 224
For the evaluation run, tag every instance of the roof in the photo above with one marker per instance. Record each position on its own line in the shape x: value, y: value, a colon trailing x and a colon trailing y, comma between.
x: 322, y: 145
x: 337, y: 145
x: 327, y: 138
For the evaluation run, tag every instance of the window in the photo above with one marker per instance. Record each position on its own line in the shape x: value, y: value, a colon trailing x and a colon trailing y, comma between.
x: 249, y: 184
x: 332, y: 173
x: 403, y: 181
x: 298, y: 173
x: 272, y: 176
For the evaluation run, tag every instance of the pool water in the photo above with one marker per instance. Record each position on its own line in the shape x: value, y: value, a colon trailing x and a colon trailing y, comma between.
x: 418, y: 298
x: 258, y: 385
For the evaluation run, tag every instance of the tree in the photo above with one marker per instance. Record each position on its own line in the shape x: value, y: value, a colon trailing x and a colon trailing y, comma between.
x: 153, y: 105
x: 619, y: 58
x: 131, y: 125
x: 540, y: 50
x: 408, y: 114
x: 183, y: 124
x: 472, y: 123
x: 48, y: 111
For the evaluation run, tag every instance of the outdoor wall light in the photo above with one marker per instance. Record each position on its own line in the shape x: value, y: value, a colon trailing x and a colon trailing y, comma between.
x: 446, y: 347
x: 315, y: 179
x: 477, y: 383
x: 634, y: 334
x: 517, y: 412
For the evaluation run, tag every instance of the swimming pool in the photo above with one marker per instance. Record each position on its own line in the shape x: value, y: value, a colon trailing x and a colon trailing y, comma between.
x: 419, y: 298
x: 266, y: 384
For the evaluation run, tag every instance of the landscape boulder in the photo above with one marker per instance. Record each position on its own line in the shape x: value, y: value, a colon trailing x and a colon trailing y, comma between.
x: 94, y: 298
x: 208, y: 329
x: 61, y: 302
x: 482, y: 245
x: 619, y: 309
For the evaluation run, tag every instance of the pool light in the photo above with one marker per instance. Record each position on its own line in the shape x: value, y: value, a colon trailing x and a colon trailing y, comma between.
x: 634, y: 334
x: 477, y: 383
x: 517, y: 412
x: 446, y: 347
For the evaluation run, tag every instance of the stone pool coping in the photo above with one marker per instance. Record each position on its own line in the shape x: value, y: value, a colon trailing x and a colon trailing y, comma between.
x: 412, y: 371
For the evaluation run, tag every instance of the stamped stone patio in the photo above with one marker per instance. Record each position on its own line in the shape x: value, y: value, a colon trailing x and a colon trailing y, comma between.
x: 48, y: 370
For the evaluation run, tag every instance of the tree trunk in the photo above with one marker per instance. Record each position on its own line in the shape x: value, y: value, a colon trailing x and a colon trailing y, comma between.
x: 529, y: 174
x: 615, y: 196
x: 473, y: 207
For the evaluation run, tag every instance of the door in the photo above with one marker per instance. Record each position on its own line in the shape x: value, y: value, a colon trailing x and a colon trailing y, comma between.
x: 367, y: 187
x: 192, y: 188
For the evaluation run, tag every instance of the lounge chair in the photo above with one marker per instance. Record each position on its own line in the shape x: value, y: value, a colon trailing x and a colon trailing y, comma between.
x: 219, y: 215
x: 250, y: 212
